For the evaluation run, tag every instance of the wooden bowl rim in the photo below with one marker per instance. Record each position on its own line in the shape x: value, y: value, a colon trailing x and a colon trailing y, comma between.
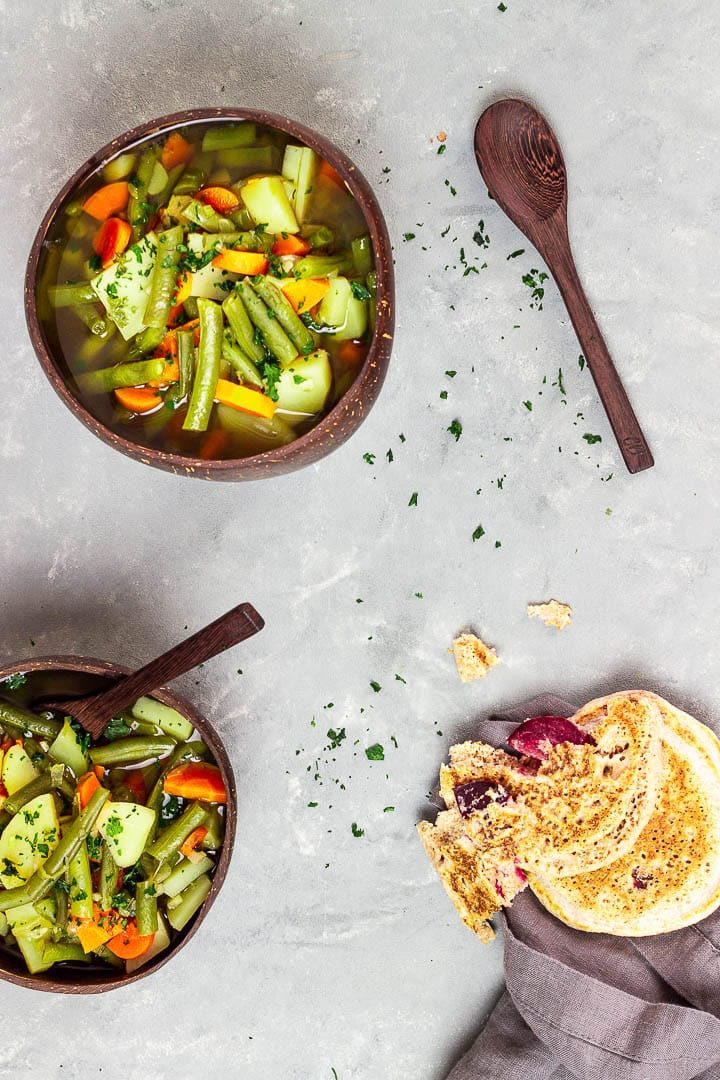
x: 93, y: 666
x: 346, y: 414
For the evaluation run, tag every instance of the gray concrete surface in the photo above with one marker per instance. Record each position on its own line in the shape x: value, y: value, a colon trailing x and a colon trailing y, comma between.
x: 329, y: 954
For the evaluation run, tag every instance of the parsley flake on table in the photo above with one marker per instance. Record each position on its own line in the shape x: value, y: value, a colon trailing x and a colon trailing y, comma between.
x: 376, y: 686
x: 399, y: 678
x: 455, y: 429
x: 370, y: 458
x: 590, y: 439
x: 478, y: 533
x: 413, y: 499
x: 528, y: 405
x: 515, y: 254
x: 15, y: 681
x: 451, y: 374
x: 408, y: 236
x: 581, y: 361
x: 375, y: 752
x: 388, y: 809
x: 356, y: 830
x: 359, y: 291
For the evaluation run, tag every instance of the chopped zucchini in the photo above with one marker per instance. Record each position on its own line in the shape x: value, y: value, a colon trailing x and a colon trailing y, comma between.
x: 303, y: 387
x: 268, y: 204
x: 123, y: 288
x: 27, y: 840
x: 341, y: 309
x: 168, y: 720
x: 68, y: 749
x: 125, y: 827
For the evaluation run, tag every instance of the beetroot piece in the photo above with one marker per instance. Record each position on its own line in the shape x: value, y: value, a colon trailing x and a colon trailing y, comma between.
x: 534, y: 737
x: 477, y: 794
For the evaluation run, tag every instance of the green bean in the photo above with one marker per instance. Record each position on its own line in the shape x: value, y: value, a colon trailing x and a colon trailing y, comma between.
x: 184, y: 874
x: 228, y: 136
x: 286, y: 315
x: 80, y: 881
x: 35, y: 752
x: 69, y: 295
x: 208, y: 366
x: 202, y: 214
x: 247, y: 241
x: 131, y: 750
x: 252, y: 158
x: 21, y: 720
x: 41, y: 785
x: 104, y: 380
x: 103, y: 953
x: 137, y: 208
x: 237, y: 359
x: 318, y: 236
x: 186, y: 361
x: 147, y: 340
x: 96, y: 323
x: 190, y: 307
x: 241, y: 218
x: 57, y: 951
x: 322, y: 265
x: 190, y: 182
x: 146, y: 907
x: 58, y: 861
x: 239, y: 320
x: 362, y: 255
x: 173, y: 177
x: 164, y: 278
x: 61, y: 906
x: 185, y: 752
x: 273, y: 334
x: 174, y: 836
x: 188, y: 902
x: 87, y: 352
x: 108, y: 878
x: 371, y: 282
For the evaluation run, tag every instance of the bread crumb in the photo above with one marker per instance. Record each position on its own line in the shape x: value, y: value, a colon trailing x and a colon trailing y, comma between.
x: 473, y: 657
x: 552, y: 613
x: 441, y: 136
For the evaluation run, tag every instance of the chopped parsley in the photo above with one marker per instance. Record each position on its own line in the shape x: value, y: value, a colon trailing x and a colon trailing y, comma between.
x: 514, y: 254
x: 116, y: 729
x: 590, y: 439
x: 478, y: 533
x: 408, y: 236
x: 9, y: 869
x: 336, y: 737
x: 455, y: 429
x: 369, y: 458
x: 528, y: 405
x: 356, y: 830
x: 358, y: 289
x: 399, y: 678
x: 376, y: 686
x: 114, y: 826
x: 441, y: 148
x: 375, y: 752
x: 413, y: 499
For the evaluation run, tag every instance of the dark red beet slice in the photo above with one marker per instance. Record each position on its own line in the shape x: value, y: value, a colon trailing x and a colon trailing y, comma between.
x: 535, y: 736
x: 477, y: 794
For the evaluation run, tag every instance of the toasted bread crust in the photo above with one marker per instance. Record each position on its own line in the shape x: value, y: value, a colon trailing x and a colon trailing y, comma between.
x: 552, y: 612
x: 473, y: 657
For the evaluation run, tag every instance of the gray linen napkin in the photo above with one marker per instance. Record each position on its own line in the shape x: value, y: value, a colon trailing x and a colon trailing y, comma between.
x: 591, y: 1006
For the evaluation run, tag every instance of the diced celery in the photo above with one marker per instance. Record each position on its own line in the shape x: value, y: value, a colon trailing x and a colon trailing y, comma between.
x: 17, y: 769
x: 125, y: 827
x: 227, y: 136
x: 67, y: 748
x: 291, y: 162
x: 307, y: 173
x: 169, y: 720
x: 32, y: 949
x: 201, y: 214
x: 267, y: 201
x: 184, y: 874
x: 181, y: 908
x: 339, y: 308
x: 123, y: 288
x: 304, y: 386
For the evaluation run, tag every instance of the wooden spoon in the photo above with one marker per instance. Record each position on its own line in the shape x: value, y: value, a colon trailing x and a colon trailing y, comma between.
x: 94, y: 711
x: 522, y: 164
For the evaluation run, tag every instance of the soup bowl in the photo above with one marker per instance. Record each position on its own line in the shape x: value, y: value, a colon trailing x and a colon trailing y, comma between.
x: 356, y: 391
x: 67, y: 676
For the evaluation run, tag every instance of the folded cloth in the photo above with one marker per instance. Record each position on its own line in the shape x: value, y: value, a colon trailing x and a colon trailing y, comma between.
x: 584, y: 1006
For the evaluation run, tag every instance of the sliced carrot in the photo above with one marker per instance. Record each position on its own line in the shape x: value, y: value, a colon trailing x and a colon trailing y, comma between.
x: 196, y: 780
x: 86, y: 787
x: 168, y: 345
x: 290, y: 245
x: 306, y: 293
x: 241, y: 262
x: 99, y: 771
x: 108, y: 200
x: 329, y: 173
x: 222, y: 199
x: 128, y: 944
x: 138, y: 399
x: 3, y: 791
x: 184, y: 288
x: 111, y: 239
x: 244, y: 399
x: 176, y: 151
x: 193, y: 841
x: 213, y: 445
x: 91, y: 936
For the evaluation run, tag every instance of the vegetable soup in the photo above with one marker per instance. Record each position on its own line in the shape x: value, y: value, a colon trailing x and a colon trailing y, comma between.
x: 107, y: 849
x: 211, y: 291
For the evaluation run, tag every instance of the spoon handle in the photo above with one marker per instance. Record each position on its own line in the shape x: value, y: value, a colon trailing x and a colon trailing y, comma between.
x: 236, y: 625
x: 633, y: 445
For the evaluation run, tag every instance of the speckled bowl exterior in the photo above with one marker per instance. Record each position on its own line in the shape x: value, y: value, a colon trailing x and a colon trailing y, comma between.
x: 63, y: 981
x: 344, y: 419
